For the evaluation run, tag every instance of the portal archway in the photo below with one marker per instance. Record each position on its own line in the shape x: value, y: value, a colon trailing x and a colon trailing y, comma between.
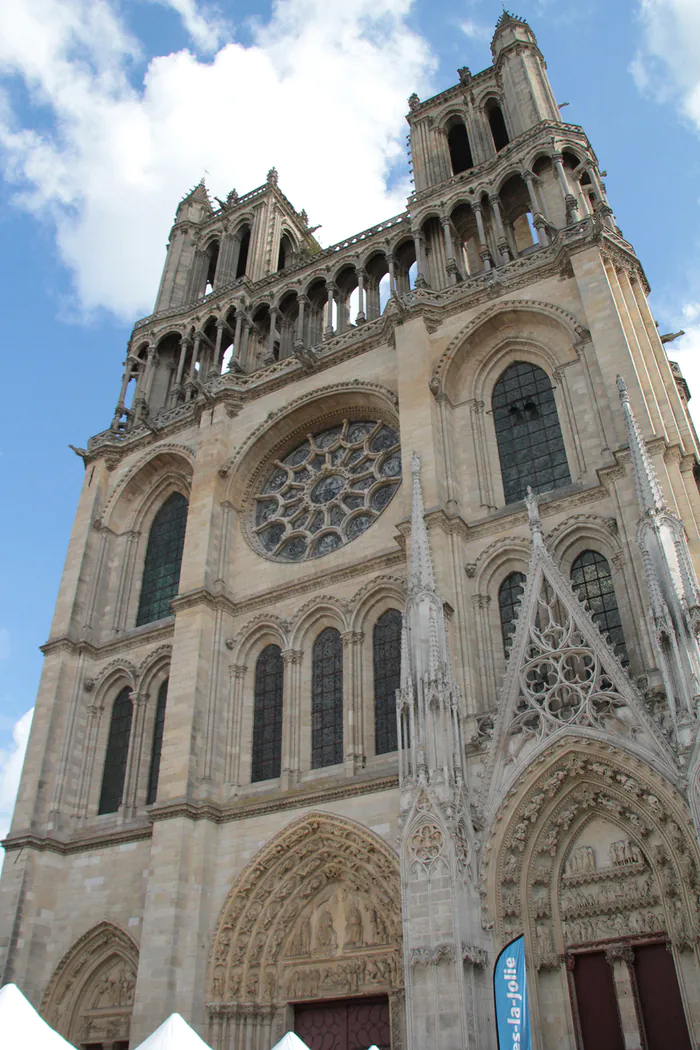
x: 315, y: 916
x: 90, y: 997
x: 595, y: 862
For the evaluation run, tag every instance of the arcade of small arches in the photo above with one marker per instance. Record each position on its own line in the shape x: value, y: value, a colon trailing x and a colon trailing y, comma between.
x: 470, y: 233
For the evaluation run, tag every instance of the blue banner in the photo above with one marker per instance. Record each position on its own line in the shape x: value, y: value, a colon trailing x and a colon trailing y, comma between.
x: 510, y: 993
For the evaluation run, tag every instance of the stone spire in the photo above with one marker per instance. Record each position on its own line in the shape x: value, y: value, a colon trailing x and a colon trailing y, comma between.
x: 444, y: 945
x: 430, y: 703
x: 674, y: 595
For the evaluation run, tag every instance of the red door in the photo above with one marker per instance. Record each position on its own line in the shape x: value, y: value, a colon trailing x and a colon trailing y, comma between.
x: 596, y: 1003
x: 660, y: 999
x: 345, y: 1024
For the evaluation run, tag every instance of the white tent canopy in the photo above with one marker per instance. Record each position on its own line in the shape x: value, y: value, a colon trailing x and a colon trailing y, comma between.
x: 174, y: 1034
x: 290, y: 1041
x: 21, y: 1027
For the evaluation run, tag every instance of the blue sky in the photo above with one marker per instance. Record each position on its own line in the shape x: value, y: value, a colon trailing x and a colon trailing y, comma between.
x: 110, y: 111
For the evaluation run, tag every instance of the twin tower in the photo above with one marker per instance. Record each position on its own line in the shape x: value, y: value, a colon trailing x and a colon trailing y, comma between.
x: 376, y: 643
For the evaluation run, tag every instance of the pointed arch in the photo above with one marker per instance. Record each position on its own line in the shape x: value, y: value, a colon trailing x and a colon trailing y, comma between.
x: 91, y: 991
x: 316, y: 914
x: 595, y: 850
x: 592, y: 582
x: 116, y: 754
x: 161, y: 571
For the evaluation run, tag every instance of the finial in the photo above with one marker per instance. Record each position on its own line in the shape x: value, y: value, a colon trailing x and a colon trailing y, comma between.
x: 415, y: 464
x: 421, y: 566
x: 413, y: 101
x: 533, y: 513
x: 622, y: 388
x: 272, y: 176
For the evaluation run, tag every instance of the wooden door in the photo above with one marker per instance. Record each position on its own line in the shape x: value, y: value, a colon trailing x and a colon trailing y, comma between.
x: 596, y: 1003
x: 660, y: 999
x: 344, y: 1024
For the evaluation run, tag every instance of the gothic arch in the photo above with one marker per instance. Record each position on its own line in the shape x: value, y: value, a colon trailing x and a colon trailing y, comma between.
x: 512, y: 316
x: 593, y: 849
x: 316, y: 914
x: 91, y: 994
x: 134, y: 487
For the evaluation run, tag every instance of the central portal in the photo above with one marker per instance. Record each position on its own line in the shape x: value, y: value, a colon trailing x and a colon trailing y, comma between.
x: 344, y: 1024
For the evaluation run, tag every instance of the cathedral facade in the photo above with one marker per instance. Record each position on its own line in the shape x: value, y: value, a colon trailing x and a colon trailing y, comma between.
x: 376, y: 644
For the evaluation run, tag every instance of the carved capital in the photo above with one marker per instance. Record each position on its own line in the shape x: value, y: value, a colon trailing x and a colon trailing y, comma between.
x: 292, y: 657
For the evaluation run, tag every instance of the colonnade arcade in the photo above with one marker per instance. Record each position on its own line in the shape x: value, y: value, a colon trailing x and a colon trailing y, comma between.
x: 472, y: 231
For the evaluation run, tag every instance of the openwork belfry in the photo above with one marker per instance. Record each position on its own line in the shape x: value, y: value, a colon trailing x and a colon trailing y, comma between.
x: 376, y: 646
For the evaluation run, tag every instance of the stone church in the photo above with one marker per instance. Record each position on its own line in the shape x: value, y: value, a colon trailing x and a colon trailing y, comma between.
x: 376, y: 643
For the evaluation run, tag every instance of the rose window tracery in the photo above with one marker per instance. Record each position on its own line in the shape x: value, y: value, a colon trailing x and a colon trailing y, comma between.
x: 327, y: 490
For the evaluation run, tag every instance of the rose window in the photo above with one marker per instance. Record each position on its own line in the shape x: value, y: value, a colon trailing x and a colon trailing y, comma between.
x: 328, y: 490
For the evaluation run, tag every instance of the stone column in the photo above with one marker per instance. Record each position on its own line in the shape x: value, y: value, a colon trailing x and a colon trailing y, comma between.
x: 537, y: 216
x: 392, y: 276
x: 361, y: 316
x: 483, y: 243
x: 177, y: 392
x: 234, y: 364
x: 121, y: 604
x: 476, y: 412
x: 145, y: 382
x: 570, y: 202
x: 329, y: 321
x: 452, y: 267
x: 232, y: 759
x: 87, y: 763
x: 503, y: 246
x: 419, y: 245
x: 353, y: 722
x: 217, y: 357
x: 191, y: 384
x: 247, y: 325
x: 133, y: 761
x: 291, y: 719
x: 622, y: 961
x: 299, y: 341
x: 270, y: 355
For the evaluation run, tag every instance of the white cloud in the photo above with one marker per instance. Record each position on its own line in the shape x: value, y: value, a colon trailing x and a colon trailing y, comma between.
x: 321, y: 94
x: 11, y: 760
x: 686, y: 351
x: 204, y: 27
x: 667, y: 64
x: 476, y: 31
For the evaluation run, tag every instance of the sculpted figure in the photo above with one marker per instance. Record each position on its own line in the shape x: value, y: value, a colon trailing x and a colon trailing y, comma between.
x: 353, y: 927
x: 327, y: 937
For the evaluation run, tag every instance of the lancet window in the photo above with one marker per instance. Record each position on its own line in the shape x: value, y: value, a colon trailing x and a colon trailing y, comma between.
x: 460, y: 149
x: 509, y: 595
x: 592, y: 581
x: 116, y: 754
x: 267, y: 715
x: 387, y: 670
x: 530, y: 442
x: 327, y: 699
x: 157, y: 744
x: 161, y: 573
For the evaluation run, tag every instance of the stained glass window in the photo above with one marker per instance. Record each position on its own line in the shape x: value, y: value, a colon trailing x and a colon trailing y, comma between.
x: 508, y: 597
x: 161, y: 571
x: 387, y: 675
x: 267, y: 714
x: 592, y: 580
x: 327, y: 699
x: 530, y: 443
x: 116, y: 754
x: 157, y: 745
x: 327, y: 490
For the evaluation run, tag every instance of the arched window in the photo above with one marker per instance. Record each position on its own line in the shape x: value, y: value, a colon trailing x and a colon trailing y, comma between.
x: 509, y: 595
x: 161, y: 571
x: 592, y: 580
x: 499, y: 131
x: 116, y: 754
x: 327, y: 699
x: 530, y: 443
x: 387, y: 676
x: 157, y: 745
x: 267, y: 715
x: 460, y: 150
x: 243, y: 254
